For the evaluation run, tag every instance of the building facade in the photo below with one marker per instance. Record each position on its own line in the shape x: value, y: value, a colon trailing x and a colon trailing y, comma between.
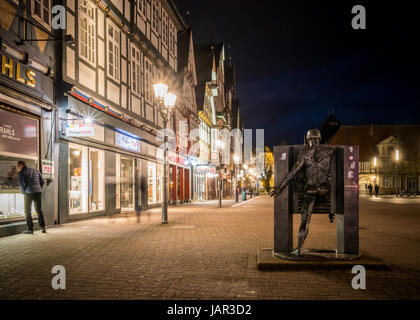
x: 109, y: 116
x: 389, y: 156
x: 27, y: 110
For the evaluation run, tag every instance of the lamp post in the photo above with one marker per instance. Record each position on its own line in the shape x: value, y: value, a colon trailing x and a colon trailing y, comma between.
x: 397, y: 158
x: 166, y: 104
x: 220, y: 146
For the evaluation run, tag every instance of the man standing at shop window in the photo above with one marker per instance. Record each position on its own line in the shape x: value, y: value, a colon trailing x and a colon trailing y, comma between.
x: 30, y: 184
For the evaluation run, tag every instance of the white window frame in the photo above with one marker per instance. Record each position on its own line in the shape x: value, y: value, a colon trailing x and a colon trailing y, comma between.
x: 172, y: 33
x: 142, y: 8
x: 113, y: 42
x: 165, y: 28
x: 40, y: 18
x: 90, y: 36
x: 148, y: 80
x: 136, y: 70
x: 155, y: 16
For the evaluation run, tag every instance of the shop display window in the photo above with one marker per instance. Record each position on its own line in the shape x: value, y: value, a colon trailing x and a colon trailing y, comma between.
x: 125, y: 187
x: 155, y: 184
x: 11, y: 200
x: 87, y: 184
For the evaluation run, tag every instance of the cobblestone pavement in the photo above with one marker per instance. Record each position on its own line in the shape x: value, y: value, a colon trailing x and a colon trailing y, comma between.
x: 206, y: 253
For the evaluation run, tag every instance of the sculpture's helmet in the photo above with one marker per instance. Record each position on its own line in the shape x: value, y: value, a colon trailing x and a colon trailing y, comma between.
x: 313, y: 134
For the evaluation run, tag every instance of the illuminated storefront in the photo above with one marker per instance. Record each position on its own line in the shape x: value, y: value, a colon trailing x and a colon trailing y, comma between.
x: 26, y: 125
x: 87, y: 186
x: 19, y: 140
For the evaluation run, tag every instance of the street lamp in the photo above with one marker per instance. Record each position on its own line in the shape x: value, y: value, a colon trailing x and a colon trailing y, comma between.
x: 397, y: 158
x: 166, y: 103
x: 220, y: 146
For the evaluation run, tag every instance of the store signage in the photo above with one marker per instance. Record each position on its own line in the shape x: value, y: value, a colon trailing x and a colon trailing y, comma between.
x: 18, y: 134
x: 13, y: 70
x: 80, y: 129
x: 126, y: 142
x: 48, y: 169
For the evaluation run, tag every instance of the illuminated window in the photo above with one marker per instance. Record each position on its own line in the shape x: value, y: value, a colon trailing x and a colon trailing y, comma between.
x: 87, y: 184
x: 113, y: 37
x: 41, y: 11
x: 87, y: 31
x: 135, y: 70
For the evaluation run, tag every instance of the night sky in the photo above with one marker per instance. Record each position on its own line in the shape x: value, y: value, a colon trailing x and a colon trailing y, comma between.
x: 296, y: 60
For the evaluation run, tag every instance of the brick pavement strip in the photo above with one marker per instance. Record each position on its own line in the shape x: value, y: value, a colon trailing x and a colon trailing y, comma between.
x: 206, y: 253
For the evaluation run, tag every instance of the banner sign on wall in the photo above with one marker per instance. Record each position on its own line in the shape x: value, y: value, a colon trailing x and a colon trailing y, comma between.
x: 126, y: 142
x: 80, y: 129
x: 18, y: 134
x: 48, y: 169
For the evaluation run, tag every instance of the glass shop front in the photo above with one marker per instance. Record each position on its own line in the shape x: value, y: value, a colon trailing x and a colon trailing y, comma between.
x: 19, y: 140
x: 125, y: 183
x: 87, y: 185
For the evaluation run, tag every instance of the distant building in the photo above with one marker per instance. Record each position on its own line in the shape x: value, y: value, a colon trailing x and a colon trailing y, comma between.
x: 389, y: 155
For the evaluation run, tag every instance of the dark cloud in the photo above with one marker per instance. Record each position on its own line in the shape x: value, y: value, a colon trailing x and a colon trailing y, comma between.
x: 298, y: 59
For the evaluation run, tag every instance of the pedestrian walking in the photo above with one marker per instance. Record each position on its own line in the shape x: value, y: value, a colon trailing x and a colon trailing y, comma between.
x: 376, y: 190
x: 30, y: 183
x: 243, y: 194
x: 370, y: 188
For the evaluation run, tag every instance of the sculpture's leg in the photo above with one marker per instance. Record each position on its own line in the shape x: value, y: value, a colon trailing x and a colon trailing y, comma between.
x: 308, y: 204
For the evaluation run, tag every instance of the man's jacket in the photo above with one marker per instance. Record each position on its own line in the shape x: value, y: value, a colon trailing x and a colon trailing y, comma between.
x: 30, y: 180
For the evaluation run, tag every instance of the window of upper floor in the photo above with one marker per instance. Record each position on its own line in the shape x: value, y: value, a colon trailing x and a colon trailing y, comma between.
x: 165, y: 28
x: 136, y: 70
x: 155, y: 16
x: 113, y: 50
x: 87, y: 31
x: 148, y: 80
x: 142, y: 8
x: 41, y: 12
x: 172, y: 41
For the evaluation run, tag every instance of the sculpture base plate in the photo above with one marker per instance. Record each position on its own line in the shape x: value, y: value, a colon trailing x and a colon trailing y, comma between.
x: 315, y: 259
x: 317, y: 255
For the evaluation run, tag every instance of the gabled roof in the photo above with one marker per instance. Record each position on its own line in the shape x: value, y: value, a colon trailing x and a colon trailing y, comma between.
x: 367, y: 137
x: 204, y: 62
x: 330, y: 127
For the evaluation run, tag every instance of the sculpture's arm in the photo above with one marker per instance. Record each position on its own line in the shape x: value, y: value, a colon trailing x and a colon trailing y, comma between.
x: 290, y: 176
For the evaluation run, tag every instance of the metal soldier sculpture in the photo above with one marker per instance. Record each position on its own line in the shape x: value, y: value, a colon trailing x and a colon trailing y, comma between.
x: 315, y: 162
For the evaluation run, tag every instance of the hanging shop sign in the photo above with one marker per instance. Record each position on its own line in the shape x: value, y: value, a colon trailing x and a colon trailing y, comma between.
x: 48, y: 169
x: 80, y: 129
x: 126, y: 142
x: 18, y: 135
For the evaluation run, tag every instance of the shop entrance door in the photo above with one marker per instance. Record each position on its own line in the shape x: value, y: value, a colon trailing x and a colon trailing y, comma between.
x: 127, y: 184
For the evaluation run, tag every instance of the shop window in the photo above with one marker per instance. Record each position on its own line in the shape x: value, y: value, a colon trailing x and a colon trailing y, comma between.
x: 11, y: 200
x: 18, y: 141
x: 126, y: 183
x: 96, y: 181
x: 155, y: 185
x: 87, y: 185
